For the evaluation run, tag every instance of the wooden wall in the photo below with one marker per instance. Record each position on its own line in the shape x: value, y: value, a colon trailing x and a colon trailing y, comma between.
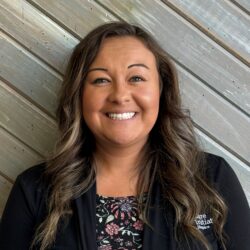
x: 209, y: 42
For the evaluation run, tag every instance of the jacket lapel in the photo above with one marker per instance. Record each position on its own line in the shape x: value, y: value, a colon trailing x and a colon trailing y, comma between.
x: 86, y: 221
x: 159, y: 237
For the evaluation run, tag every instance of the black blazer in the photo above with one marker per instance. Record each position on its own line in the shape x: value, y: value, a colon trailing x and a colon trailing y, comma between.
x: 26, y: 209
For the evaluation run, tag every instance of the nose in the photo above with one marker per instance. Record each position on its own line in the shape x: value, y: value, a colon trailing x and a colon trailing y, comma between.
x: 119, y: 93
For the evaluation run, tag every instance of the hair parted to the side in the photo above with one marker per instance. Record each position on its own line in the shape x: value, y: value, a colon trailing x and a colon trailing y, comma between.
x: 173, y: 155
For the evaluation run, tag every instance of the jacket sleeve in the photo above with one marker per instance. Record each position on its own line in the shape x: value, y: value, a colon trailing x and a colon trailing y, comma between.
x: 18, y: 221
x: 237, y: 225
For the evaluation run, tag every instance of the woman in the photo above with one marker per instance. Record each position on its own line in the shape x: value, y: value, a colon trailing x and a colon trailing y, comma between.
x: 127, y: 172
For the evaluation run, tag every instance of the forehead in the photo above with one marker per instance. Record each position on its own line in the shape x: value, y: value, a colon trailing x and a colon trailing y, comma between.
x: 123, y: 49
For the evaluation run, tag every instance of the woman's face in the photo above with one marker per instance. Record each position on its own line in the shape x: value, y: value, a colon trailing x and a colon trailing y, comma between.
x: 121, y: 93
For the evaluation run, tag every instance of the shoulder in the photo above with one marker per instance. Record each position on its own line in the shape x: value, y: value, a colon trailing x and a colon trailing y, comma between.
x: 33, y: 173
x: 217, y: 168
x: 32, y: 180
x: 222, y: 178
x: 213, y: 162
x: 28, y: 194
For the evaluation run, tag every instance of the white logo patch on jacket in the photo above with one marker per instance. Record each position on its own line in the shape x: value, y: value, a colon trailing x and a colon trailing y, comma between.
x: 203, y: 221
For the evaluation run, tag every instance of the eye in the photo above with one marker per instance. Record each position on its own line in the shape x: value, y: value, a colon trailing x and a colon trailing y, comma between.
x: 136, y: 79
x: 100, y: 81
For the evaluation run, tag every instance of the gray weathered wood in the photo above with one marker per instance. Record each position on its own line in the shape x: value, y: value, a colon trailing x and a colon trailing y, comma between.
x: 245, y: 4
x: 190, y: 47
x: 37, y: 32
x: 78, y: 16
x: 28, y: 74
x: 15, y: 156
x: 221, y: 20
x: 25, y: 121
x: 39, y: 35
x: 5, y: 187
x: 216, y: 116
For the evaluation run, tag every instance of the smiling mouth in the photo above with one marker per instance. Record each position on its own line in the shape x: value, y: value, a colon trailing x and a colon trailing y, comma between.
x: 121, y: 116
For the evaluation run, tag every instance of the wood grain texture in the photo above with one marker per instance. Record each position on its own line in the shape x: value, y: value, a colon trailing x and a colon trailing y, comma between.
x: 210, y: 47
x: 28, y: 74
x: 216, y: 116
x: 78, y: 16
x: 245, y: 4
x: 37, y: 32
x: 221, y: 20
x: 25, y: 121
x: 190, y: 47
x: 15, y: 156
x: 5, y: 187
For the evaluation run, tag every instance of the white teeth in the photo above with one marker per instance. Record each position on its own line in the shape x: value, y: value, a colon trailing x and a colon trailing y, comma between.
x: 121, y: 116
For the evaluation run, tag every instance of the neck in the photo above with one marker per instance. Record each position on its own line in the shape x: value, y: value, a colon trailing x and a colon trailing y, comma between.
x: 117, y: 169
x: 118, y: 161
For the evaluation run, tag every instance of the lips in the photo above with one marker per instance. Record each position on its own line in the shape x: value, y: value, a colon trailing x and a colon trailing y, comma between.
x: 121, y: 116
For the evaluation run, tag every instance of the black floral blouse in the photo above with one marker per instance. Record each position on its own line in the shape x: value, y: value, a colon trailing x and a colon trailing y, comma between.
x: 118, y: 225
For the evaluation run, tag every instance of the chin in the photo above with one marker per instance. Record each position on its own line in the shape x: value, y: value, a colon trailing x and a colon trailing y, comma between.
x: 122, y: 142
x: 125, y: 141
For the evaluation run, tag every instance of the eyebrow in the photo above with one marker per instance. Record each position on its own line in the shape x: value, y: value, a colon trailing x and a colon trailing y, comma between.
x: 138, y: 65
x: 93, y: 69
x: 130, y: 66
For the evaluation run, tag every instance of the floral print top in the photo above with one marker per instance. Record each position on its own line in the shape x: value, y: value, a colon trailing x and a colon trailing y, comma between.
x: 118, y: 225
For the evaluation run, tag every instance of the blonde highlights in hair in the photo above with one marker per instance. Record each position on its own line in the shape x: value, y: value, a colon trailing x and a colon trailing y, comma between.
x: 172, y: 153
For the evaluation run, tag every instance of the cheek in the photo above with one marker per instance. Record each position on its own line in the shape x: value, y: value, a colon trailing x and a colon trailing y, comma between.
x: 90, y: 100
x: 89, y: 106
x: 86, y: 103
x: 149, y: 99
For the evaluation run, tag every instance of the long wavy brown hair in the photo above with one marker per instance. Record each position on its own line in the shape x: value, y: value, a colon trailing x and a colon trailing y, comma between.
x: 173, y: 155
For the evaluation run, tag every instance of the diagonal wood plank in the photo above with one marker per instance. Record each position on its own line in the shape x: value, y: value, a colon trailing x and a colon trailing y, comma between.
x: 190, y: 47
x: 25, y: 121
x: 221, y: 20
x: 5, y: 187
x: 78, y: 16
x: 37, y: 32
x: 244, y: 4
x: 28, y: 74
x: 15, y: 157
x: 215, y: 115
